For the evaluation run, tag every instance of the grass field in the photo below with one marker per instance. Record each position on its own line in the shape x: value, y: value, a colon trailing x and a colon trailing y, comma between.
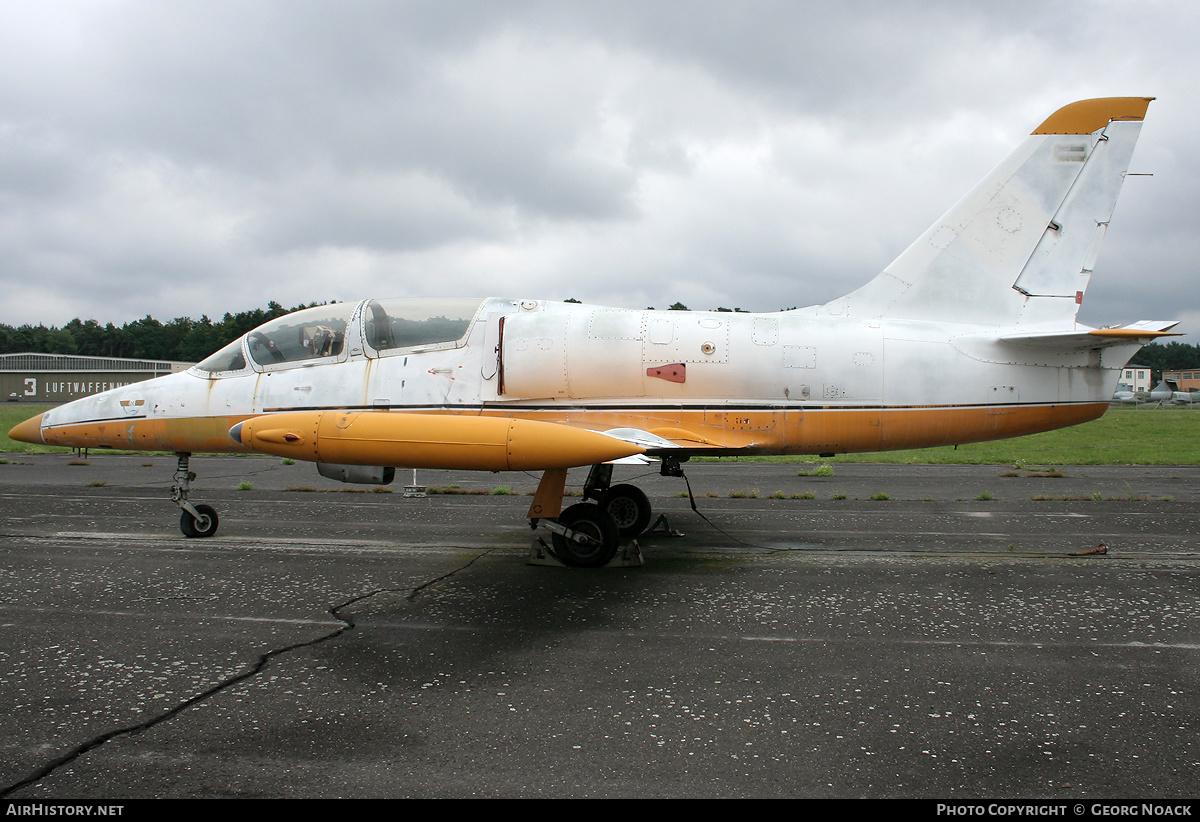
x: 1123, y: 436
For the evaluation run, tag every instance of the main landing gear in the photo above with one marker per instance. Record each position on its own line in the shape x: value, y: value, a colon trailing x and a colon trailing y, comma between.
x: 626, y: 504
x: 589, y: 534
x: 589, y: 537
x: 194, y: 520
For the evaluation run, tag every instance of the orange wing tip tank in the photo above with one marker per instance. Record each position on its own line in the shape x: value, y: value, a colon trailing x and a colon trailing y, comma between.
x: 428, y: 441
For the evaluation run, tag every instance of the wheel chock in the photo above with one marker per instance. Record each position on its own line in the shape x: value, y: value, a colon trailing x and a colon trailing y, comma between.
x: 629, y: 555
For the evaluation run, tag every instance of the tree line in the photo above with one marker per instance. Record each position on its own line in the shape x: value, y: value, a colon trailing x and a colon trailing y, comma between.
x: 1172, y: 356
x: 182, y: 339
x: 188, y: 340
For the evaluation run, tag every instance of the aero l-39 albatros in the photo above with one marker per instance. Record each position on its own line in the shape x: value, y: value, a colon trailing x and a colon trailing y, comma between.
x: 969, y: 335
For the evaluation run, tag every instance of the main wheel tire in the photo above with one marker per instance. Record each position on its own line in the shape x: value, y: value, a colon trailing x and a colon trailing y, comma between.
x: 629, y: 507
x: 592, y: 521
x: 206, y: 526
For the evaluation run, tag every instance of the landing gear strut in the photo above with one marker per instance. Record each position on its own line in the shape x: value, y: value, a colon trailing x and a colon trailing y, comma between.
x: 195, y: 520
x: 626, y: 504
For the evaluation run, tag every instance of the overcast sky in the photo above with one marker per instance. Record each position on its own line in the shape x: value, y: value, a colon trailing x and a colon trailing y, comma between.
x: 180, y: 158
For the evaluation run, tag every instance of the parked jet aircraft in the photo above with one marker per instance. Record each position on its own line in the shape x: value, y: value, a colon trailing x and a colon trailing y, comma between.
x: 1161, y: 393
x: 1164, y: 393
x: 969, y: 335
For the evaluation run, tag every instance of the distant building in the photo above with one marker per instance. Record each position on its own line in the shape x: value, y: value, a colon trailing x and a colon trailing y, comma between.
x: 1134, y: 378
x: 55, y: 378
x: 1187, y: 380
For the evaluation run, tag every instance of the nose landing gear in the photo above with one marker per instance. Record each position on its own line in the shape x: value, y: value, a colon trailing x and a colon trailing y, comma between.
x: 194, y: 520
x: 201, y: 524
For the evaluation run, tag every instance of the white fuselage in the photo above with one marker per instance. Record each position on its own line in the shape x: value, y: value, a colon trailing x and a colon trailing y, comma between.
x: 759, y: 375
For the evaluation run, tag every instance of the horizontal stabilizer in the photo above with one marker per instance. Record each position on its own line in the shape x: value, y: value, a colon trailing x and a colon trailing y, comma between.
x: 1140, y: 332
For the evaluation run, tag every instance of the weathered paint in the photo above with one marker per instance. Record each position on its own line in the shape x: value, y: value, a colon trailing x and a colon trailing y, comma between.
x: 969, y: 335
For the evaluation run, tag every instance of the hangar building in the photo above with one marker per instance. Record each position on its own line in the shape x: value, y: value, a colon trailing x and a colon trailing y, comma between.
x: 48, y: 379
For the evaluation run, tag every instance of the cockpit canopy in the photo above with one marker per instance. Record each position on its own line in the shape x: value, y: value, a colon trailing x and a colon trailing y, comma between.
x: 311, y: 334
x: 417, y: 321
x: 320, y: 334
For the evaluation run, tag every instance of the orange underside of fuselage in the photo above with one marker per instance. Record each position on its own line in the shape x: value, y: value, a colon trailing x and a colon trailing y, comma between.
x: 716, y: 431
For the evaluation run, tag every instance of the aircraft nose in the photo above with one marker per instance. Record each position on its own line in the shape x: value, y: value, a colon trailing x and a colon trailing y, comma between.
x: 235, y: 433
x: 29, y: 431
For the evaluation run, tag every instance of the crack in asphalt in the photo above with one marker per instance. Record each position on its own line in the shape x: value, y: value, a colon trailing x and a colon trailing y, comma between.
x: 348, y: 625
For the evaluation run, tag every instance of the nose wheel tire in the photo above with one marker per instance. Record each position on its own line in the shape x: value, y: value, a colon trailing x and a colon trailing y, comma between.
x: 205, y: 526
x: 629, y: 507
x: 593, y: 522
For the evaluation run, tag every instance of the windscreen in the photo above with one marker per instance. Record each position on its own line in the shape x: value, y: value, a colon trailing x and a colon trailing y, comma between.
x: 229, y: 358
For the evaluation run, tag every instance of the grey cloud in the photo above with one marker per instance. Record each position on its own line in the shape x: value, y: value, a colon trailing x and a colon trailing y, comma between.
x: 757, y: 154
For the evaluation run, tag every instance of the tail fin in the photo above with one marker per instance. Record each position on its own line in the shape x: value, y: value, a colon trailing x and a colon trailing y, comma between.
x: 1019, y: 249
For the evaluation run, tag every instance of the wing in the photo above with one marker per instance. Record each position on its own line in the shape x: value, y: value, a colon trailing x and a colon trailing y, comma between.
x: 694, y: 438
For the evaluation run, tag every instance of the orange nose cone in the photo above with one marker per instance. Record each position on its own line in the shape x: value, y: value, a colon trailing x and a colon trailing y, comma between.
x: 28, y: 431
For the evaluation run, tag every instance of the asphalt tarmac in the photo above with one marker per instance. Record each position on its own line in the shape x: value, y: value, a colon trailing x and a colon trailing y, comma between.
x: 954, y: 640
